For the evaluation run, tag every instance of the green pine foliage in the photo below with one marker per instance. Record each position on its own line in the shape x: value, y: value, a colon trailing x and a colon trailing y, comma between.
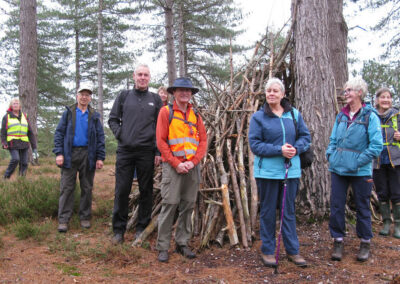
x: 379, y: 75
x: 208, y: 27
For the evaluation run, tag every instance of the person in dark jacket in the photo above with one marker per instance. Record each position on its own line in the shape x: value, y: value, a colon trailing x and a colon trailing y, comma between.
x: 16, y: 136
x: 80, y: 148
x: 387, y: 166
x: 355, y: 141
x: 133, y: 120
x: 273, y: 140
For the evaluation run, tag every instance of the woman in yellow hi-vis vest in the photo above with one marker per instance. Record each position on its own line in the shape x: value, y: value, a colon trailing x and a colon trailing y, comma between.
x: 16, y: 135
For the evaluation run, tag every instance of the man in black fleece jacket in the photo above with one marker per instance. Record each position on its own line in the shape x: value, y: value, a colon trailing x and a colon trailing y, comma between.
x: 133, y: 120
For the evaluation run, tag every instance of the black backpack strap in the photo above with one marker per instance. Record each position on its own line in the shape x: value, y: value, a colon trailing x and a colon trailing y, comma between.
x: 123, y: 95
x: 295, y: 123
x: 171, y: 112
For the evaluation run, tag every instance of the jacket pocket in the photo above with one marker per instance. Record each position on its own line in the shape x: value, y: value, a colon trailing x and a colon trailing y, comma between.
x: 349, y: 161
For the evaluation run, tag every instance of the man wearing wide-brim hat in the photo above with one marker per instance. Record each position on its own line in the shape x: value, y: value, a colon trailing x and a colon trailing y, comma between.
x: 182, y: 141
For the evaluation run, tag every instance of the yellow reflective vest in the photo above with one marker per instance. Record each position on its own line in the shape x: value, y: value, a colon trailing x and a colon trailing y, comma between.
x: 17, y: 130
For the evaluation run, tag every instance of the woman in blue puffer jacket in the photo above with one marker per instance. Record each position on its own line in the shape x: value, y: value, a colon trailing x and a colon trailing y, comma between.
x: 355, y: 141
x: 272, y: 139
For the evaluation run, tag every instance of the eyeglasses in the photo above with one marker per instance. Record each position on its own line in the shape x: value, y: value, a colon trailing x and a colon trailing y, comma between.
x: 84, y: 95
x: 348, y: 90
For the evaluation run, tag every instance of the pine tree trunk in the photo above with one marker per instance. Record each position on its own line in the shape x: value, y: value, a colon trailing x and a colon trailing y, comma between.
x: 314, y: 96
x: 169, y: 38
x: 338, y: 46
x: 181, y: 40
x: 100, y: 60
x: 28, y: 61
x: 77, y: 50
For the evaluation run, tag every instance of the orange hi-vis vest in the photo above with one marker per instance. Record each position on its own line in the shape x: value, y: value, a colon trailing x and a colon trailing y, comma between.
x: 183, y: 136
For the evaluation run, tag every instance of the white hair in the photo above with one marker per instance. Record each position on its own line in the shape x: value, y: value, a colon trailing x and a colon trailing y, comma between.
x: 141, y: 65
x: 275, y: 81
x: 357, y: 84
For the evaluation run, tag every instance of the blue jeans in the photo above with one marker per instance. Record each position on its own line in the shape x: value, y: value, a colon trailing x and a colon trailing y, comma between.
x: 270, y: 193
x: 18, y: 156
x: 362, y: 188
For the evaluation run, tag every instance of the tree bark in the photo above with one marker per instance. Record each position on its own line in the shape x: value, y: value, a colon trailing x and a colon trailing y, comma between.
x: 100, y: 60
x: 181, y: 40
x: 169, y: 38
x: 28, y: 64
x: 77, y: 50
x: 314, y: 95
x: 338, y: 46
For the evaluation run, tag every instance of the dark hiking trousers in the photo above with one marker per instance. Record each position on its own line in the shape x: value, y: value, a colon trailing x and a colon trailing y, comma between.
x: 18, y: 156
x: 127, y: 162
x: 362, y: 188
x: 79, y: 164
x: 387, y: 183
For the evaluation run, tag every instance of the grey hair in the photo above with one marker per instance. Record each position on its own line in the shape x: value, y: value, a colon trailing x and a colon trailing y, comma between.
x: 275, y: 80
x: 379, y: 93
x: 13, y: 100
x: 358, y: 84
x: 383, y: 90
x: 141, y: 65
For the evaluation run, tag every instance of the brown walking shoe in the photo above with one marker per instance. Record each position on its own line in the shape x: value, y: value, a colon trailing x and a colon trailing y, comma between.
x: 163, y: 256
x: 185, y: 251
x: 337, y: 253
x: 298, y: 260
x: 62, y: 227
x: 85, y: 224
x: 268, y: 260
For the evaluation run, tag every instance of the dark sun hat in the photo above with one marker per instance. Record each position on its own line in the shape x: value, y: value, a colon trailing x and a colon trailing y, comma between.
x: 182, y: 83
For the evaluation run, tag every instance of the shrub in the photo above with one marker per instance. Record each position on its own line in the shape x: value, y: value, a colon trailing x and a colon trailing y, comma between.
x: 31, y: 200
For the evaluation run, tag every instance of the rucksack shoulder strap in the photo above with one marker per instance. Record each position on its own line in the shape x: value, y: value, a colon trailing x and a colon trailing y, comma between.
x: 294, y: 122
x: 123, y: 95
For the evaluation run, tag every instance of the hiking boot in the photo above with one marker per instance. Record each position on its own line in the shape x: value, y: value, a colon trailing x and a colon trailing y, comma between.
x: 118, y: 238
x: 396, y: 215
x: 337, y: 253
x: 163, y: 256
x: 185, y: 251
x: 298, y: 260
x: 385, y: 212
x: 363, y: 254
x: 62, y: 227
x: 268, y: 260
x: 85, y: 224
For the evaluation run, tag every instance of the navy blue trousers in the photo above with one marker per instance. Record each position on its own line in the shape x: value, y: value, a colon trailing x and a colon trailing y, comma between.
x: 362, y: 187
x: 270, y: 192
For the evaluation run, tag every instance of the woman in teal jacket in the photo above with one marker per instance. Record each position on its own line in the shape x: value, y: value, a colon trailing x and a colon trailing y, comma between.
x: 273, y: 140
x: 355, y: 141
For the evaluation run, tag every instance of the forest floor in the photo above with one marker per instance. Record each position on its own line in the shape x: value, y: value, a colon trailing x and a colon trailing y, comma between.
x: 87, y: 256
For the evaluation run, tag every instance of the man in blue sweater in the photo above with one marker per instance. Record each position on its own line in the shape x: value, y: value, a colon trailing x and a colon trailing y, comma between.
x: 79, y: 147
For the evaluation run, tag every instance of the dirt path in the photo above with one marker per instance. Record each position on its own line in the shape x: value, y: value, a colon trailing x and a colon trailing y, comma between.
x: 88, y: 257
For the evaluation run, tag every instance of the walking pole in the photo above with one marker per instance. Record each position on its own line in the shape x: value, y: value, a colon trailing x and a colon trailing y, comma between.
x: 287, y: 166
